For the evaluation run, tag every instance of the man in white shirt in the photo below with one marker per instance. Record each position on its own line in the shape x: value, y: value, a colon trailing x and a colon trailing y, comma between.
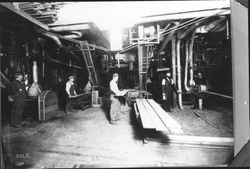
x: 115, y: 106
x: 72, y: 97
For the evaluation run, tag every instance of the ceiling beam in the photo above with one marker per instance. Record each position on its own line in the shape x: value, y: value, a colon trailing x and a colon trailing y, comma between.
x: 26, y: 16
x: 185, y: 15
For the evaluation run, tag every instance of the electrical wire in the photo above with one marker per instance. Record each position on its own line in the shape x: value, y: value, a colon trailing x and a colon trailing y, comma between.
x: 184, y: 24
x: 178, y: 27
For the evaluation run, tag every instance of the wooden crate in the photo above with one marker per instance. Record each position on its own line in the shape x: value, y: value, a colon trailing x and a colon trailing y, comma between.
x: 47, y: 105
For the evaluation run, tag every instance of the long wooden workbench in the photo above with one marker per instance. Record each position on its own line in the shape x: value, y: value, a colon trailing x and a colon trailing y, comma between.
x: 152, y: 116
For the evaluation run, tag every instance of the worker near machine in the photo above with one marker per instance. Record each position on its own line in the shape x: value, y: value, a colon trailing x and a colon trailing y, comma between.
x: 72, y: 97
x: 197, y: 92
x: 167, y: 91
x: 16, y: 97
x: 115, y: 93
x: 88, y: 86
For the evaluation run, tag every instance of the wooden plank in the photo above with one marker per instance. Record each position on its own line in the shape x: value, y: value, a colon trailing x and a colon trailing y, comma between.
x: 202, y: 140
x: 146, y: 123
x: 144, y: 117
x: 154, y: 117
x: 149, y: 115
x: 169, y: 122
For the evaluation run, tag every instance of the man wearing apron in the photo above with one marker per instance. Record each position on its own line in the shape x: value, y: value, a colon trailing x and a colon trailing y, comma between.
x: 73, y: 98
x: 115, y: 93
x: 167, y: 92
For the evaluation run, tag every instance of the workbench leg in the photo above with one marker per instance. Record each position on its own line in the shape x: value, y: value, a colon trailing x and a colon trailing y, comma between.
x: 144, y: 133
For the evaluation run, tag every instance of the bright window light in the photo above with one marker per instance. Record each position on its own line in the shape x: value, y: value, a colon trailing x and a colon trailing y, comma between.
x: 113, y: 16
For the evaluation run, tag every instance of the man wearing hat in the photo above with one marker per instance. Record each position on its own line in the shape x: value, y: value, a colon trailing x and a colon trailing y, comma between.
x: 17, y: 97
x: 115, y: 106
x: 167, y: 91
x: 72, y: 97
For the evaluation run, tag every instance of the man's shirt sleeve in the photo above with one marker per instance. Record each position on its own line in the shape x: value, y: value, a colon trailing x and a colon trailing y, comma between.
x: 114, y: 87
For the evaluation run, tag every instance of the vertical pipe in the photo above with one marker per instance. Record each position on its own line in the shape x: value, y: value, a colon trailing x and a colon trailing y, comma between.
x: 118, y: 60
x: 27, y: 64
x: 186, y: 66
x: 130, y: 64
x: 174, y: 67
x: 140, y: 55
x: 141, y: 31
x: 43, y: 73
x: 227, y: 29
x: 191, y: 45
x: 35, y: 73
x: 174, y: 58
x: 43, y: 65
x: 178, y: 60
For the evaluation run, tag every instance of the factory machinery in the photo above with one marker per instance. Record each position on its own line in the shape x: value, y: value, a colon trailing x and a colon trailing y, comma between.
x: 184, y: 47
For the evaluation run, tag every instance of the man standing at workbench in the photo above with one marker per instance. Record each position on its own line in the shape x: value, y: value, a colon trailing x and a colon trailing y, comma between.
x: 73, y: 98
x: 115, y: 93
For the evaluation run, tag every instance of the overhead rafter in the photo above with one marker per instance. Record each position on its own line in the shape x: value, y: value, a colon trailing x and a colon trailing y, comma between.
x: 185, y: 15
x: 17, y: 11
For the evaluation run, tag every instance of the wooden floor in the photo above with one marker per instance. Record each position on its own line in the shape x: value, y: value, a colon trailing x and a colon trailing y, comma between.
x: 86, y: 139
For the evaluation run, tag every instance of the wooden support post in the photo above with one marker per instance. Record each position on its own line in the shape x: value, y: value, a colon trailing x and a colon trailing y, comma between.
x: 140, y: 55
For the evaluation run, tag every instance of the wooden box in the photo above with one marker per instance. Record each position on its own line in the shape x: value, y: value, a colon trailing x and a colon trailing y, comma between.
x: 47, y: 105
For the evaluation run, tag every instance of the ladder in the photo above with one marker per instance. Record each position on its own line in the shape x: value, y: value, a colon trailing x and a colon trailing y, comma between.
x: 143, y: 66
x: 89, y: 63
